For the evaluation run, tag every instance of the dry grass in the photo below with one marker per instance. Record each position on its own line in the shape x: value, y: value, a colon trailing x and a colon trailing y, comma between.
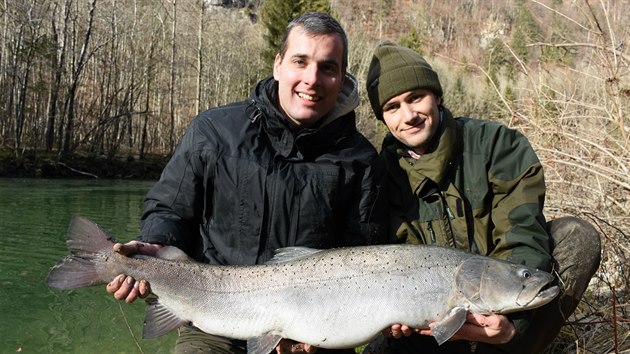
x: 577, y: 120
x: 577, y: 117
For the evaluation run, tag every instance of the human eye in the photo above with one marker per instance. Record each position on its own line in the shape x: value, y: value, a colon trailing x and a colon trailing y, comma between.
x: 390, y: 107
x: 416, y: 97
x: 330, y: 68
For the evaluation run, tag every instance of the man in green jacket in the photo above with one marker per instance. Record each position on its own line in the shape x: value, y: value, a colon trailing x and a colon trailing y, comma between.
x: 475, y: 185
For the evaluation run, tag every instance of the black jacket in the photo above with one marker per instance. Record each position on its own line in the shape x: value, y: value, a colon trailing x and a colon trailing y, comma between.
x: 242, y: 183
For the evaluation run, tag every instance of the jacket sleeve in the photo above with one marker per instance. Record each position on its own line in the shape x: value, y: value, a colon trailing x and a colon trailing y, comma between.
x: 520, y: 233
x: 365, y: 220
x: 173, y: 207
x: 518, y: 187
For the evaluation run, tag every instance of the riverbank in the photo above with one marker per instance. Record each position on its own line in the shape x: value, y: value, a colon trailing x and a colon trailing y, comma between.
x: 33, y: 165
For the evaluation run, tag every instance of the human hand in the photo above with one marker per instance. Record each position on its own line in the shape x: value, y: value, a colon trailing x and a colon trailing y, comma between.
x: 398, y: 331
x: 287, y: 346
x: 491, y: 329
x: 126, y: 287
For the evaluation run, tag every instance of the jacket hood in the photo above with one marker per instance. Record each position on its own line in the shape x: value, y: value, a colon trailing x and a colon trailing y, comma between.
x: 307, y: 143
x: 347, y: 100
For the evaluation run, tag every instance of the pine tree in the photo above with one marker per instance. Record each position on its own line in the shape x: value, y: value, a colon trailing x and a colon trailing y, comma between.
x: 276, y: 14
x: 559, y: 34
x: 413, y: 40
x: 526, y: 31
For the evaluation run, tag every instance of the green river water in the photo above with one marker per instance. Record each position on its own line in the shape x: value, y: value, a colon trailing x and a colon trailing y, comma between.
x: 34, y: 215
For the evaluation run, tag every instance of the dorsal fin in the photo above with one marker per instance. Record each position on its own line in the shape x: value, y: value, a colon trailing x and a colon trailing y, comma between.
x: 85, y: 237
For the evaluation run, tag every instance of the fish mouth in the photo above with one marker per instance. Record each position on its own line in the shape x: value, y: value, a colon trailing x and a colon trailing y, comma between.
x: 535, y: 296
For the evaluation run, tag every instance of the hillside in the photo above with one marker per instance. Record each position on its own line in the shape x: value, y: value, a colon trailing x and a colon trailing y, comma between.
x: 111, y: 80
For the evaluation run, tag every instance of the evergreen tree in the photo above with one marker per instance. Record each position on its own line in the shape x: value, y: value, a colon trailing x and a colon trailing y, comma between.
x: 496, y: 56
x: 519, y: 45
x: 559, y: 34
x: 276, y: 14
x: 413, y: 40
x: 526, y: 22
x: 526, y: 31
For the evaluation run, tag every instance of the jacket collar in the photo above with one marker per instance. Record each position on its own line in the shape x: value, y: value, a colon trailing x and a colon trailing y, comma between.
x: 333, y: 127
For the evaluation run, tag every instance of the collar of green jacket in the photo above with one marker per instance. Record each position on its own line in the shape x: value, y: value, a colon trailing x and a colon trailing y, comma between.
x: 424, y: 177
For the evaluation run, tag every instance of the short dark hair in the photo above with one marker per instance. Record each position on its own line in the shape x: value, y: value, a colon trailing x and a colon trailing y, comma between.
x: 315, y: 24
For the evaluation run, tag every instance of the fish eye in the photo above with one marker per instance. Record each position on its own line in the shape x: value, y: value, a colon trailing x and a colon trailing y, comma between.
x: 526, y: 274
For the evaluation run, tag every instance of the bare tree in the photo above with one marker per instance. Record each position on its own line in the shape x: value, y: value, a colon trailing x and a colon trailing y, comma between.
x: 3, y: 64
x: 171, y: 86
x: 74, y: 84
x: 58, y: 62
x: 200, y: 58
x: 29, y: 36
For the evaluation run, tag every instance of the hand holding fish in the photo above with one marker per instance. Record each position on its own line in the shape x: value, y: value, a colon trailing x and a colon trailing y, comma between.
x: 491, y: 329
x: 399, y: 330
x: 126, y: 287
x: 287, y: 346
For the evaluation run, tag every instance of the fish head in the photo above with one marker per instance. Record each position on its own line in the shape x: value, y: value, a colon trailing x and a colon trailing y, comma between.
x: 495, y: 286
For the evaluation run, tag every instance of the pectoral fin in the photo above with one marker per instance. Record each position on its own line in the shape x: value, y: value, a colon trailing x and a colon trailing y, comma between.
x: 444, y: 329
x: 262, y: 344
x: 159, y: 320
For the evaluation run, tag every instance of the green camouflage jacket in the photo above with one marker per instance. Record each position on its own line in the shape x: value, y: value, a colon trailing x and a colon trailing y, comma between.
x: 480, y: 188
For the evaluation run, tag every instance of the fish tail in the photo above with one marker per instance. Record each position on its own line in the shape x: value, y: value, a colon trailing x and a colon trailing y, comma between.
x: 89, y: 246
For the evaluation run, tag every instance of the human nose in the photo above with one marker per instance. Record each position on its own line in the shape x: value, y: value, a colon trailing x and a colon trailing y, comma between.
x: 408, y: 113
x: 311, y: 75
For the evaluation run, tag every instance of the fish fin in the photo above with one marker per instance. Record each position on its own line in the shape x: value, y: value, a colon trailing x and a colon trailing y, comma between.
x: 173, y: 253
x: 159, y: 320
x: 88, y: 244
x: 288, y: 254
x: 74, y: 272
x: 263, y: 344
x: 85, y: 237
x: 446, y: 328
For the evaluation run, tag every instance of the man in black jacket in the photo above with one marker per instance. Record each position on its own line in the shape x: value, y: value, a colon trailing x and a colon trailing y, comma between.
x: 286, y: 167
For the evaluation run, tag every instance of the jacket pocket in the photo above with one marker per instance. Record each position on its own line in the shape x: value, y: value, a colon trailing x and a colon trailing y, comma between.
x: 314, y: 204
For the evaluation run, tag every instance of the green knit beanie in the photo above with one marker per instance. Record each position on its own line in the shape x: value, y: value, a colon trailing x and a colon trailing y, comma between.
x: 394, y: 70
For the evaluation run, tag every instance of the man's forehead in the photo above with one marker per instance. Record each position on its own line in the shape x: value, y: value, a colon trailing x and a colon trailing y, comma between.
x: 296, y: 44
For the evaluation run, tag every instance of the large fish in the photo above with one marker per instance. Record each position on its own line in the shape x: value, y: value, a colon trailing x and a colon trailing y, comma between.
x: 337, y: 298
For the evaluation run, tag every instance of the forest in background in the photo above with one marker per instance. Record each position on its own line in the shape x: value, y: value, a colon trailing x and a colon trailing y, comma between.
x: 112, y: 79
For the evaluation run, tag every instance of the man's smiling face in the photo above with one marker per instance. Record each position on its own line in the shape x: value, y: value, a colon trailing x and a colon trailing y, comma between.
x: 310, y: 76
x: 413, y: 118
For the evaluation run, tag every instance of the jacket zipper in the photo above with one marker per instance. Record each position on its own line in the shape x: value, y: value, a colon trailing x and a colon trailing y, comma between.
x: 450, y: 217
x: 431, y: 232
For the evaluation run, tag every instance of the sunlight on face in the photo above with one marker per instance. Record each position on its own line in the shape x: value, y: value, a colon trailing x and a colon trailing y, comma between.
x: 413, y: 118
x: 309, y: 76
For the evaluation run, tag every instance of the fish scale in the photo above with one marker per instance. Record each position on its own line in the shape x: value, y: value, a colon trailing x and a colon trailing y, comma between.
x: 337, y: 298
